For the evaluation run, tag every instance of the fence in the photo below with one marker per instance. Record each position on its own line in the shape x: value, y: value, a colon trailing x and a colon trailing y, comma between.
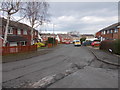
x: 18, y: 49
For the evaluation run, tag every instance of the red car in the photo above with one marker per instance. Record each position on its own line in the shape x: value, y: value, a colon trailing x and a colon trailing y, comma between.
x: 95, y: 43
x: 67, y: 42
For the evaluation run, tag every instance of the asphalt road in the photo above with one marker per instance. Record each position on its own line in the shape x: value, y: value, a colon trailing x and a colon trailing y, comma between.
x: 87, y: 73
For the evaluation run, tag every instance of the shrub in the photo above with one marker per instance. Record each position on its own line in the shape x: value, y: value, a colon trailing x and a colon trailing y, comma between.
x: 113, y: 45
x: 117, y: 46
x: 106, y: 45
x: 82, y: 39
x: 39, y: 44
x: 51, y: 40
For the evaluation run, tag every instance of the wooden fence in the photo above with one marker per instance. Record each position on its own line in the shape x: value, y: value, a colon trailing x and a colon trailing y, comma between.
x: 18, y: 49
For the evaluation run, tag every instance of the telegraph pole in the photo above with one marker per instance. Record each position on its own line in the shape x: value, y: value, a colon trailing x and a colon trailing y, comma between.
x: 53, y: 35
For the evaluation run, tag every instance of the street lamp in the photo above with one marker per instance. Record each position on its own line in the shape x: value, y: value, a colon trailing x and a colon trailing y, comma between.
x: 53, y: 32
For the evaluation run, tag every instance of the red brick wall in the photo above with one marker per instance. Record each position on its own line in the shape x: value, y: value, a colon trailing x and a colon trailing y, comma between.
x: 98, y: 34
x: 28, y: 36
x: 14, y: 31
x: 110, y: 36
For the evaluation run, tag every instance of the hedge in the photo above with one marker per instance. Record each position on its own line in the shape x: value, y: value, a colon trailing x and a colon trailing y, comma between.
x: 117, y: 46
x: 52, y: 41
x: 113, y: 45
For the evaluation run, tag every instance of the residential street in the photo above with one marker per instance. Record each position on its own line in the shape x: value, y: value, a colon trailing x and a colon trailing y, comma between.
x: 71, y: 67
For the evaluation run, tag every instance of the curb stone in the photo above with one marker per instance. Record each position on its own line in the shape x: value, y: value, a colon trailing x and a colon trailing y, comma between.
x: 105, y: 61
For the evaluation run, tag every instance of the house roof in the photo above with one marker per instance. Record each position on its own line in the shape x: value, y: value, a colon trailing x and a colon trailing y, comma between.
x: 15, y: 38
x: 111, y: 26
x: 48, y: 35
x: 15, y: 24
x: 74, y: 36
x: 87, y: 35
x: 65, y: 36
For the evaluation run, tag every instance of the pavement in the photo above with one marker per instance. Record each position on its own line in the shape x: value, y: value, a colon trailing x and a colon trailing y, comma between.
x: 26, y: 55
x: 105, y: 57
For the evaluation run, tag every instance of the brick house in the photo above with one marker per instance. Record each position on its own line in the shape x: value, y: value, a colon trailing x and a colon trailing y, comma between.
x: 19, y: 34
x: 65, y: 38
x: 111, y: 32
x: 87, y: 36
x: 75, y: 37
x: 45, y: 36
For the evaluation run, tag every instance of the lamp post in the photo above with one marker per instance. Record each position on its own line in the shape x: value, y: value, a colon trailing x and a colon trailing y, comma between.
x: 53, y: 34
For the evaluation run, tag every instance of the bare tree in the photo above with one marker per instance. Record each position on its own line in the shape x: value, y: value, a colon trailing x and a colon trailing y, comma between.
x: 10, y: 7
x: 36, y: 13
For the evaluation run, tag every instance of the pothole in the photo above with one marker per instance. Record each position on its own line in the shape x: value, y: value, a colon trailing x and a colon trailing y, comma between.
x: 48, y: 80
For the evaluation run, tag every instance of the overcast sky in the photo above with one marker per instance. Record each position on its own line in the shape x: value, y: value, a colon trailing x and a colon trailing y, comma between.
x: 85, y: 17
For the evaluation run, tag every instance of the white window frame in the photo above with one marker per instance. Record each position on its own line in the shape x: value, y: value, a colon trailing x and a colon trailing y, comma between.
x: 19, y: 31
x: 24, y: 32
x: 116, y: 31
x: 111, y: 31
x: 11, y: 30
x: 24, y: 43
x: 104, y: 32
x: 13, y: 43
x: 108, y: 31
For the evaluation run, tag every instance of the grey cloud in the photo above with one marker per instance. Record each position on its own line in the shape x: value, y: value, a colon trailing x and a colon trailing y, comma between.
x: 104, y: 10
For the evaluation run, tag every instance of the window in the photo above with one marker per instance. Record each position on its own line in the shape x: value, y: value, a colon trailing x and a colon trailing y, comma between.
x: 116, y: 31
x: 108, y: 31
x: 19, y: 32
x: 104, y: 32
x: 35, y: 32
x: 13, y: 43
x: 25, y: 32
x: 23, y: 43
x: 10, y: 30
x: 111, y: 31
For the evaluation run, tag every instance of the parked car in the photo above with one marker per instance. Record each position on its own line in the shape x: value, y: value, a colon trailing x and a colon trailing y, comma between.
x: 67, y: 42
x: 95, y: 43
x: 77, y: 43
x: 86, y: 43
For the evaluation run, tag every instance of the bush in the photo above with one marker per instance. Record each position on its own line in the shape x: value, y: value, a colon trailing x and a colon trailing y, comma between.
x: 113, y: 45
x: 39, y: 44
x: 106, y: 45
x: 117, y: 46
x: 51, y: 40
x: 82, y: 39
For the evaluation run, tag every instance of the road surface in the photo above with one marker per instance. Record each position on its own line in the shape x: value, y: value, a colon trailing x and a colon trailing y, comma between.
x: 86, y: 71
